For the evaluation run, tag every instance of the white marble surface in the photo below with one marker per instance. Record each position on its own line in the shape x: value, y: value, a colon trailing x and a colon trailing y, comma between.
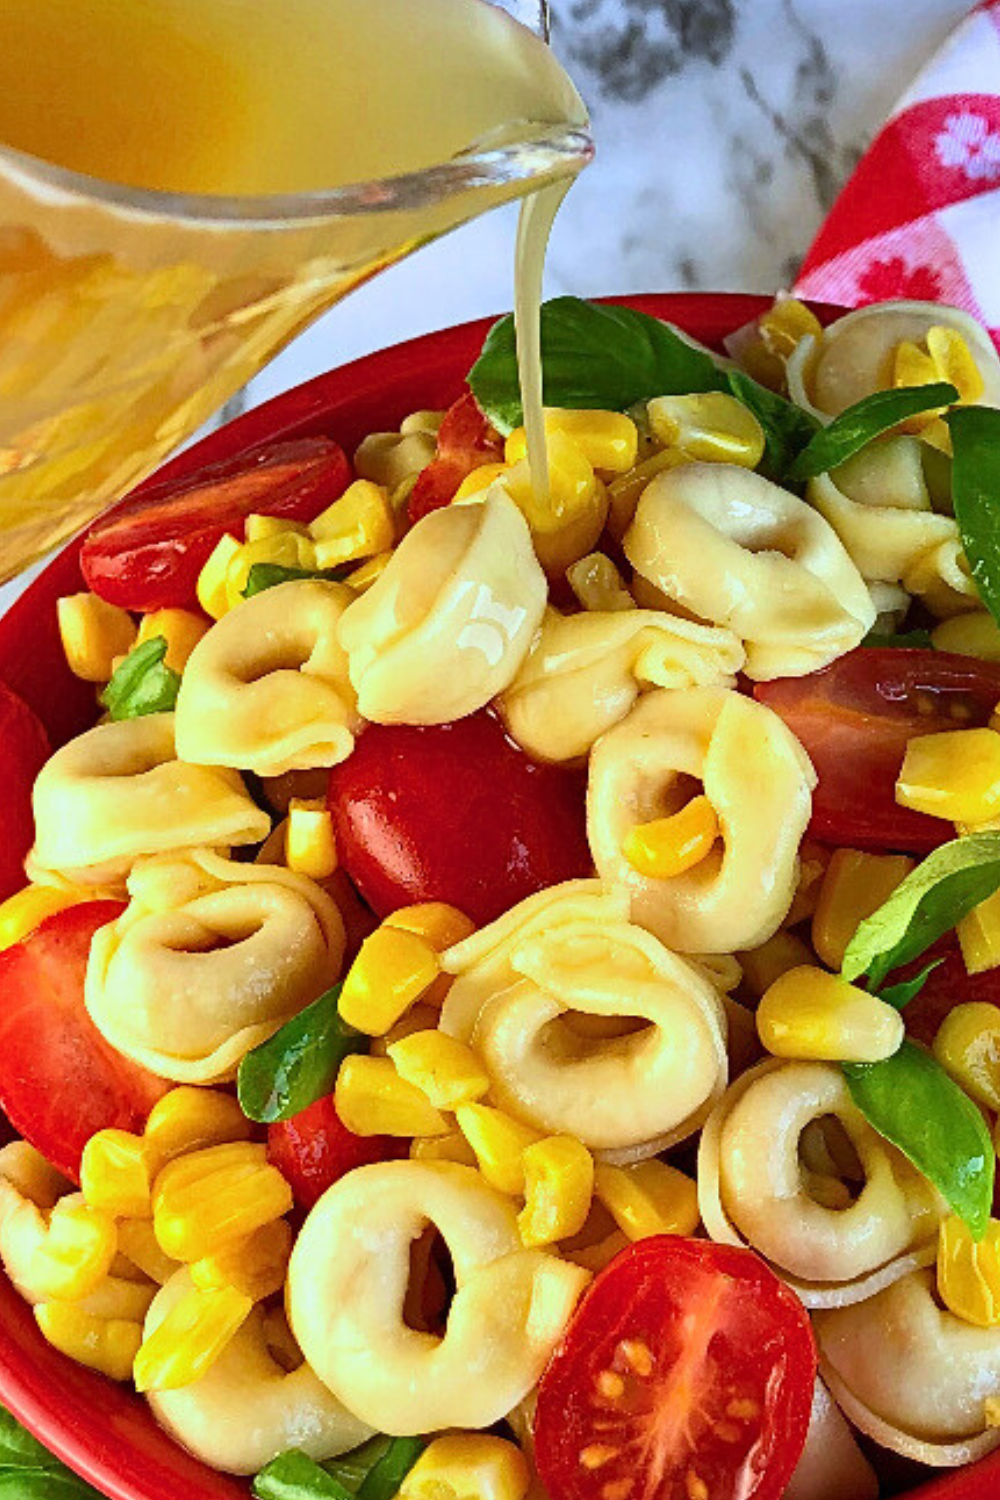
x: 724, y: 130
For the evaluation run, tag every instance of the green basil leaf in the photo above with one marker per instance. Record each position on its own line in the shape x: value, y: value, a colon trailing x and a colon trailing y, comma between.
x: 909, y: 640
x: 384, y: 1480
x: 911, y: 1101
x: 865, y: 420
x: 901, y: 994
x: 299, y: 1064
x: 592, y: 356
x: 30, y: 1472
x: 975, y: 483
x: 18, y: 1449
x: 352, y: 1469
x: 787, y: 428
x: 264, y: 575
x: 294, y: 1476
x: 142, y: 684
x: 930, y: 901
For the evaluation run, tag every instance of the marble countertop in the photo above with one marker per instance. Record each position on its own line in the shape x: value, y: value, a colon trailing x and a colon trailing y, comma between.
x: 724, y: 131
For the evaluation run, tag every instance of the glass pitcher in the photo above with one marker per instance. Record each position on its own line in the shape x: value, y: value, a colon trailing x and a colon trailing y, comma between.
x: 128, y: 316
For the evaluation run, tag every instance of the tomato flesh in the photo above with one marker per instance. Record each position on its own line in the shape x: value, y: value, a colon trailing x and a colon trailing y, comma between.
x: 855, y: 719
x: 457, y: 813
x: 465, y: 440
x: 687, y: 1370
x: 60, y: 1081
x: 314, y: 1149
x: 147, y: 553
x: 24, y: 749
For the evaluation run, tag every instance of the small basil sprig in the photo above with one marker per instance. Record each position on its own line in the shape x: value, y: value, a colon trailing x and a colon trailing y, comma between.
x: 900, y: 995
x: 295, y: 1476
x: 911, y: 1101
x: 908, y: 640
x: 372, y: 1472
x: 264, y: 575
x: 29, y: 1472
x: 975, y: 485
x: 299, y: 1064
x: 932, y: 899
x: 787, y: 428
x: 142, y: 684
x: 592, y: 356
x: 865, y: 420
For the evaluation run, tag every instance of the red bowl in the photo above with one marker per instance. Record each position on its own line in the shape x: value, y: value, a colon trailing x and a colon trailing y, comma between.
x: 100, y: 1429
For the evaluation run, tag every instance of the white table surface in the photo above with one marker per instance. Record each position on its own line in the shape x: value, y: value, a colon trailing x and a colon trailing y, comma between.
x: 724, y: 131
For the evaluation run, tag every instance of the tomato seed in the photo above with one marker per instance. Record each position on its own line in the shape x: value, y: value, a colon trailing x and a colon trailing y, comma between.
x: 696, y: 1487
x: 596, y: 1455
x: 611, y: 1385
x: 638, y: 1355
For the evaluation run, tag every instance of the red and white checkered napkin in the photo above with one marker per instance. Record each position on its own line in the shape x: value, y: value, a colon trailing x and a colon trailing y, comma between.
x: 921, y: 215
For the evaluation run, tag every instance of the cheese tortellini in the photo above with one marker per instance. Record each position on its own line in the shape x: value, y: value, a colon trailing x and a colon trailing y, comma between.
x: 585, y: 671
x: 729, y: 547
x: 209, y: 959
x: 759, y: 781
x: 119, y: 792
x: 447, y: 625
x: 347, y: 1285
x: 789, y: 1165
x: 249, y: 1407
x: 267, y: 688
x: 587, y: 1025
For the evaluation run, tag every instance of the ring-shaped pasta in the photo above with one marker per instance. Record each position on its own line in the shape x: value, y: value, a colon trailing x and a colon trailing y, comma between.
x: 118, y: 792
x: 910, y: 1374
x: 248, y: 1407
x: 347, y: 1284
x: 210, y: 957
x: 731, y: 548
x: 588, y: 1026
x: 585, y: 671
x: 759, y: 781
x: 831, y: 1466
x: 755, y: 1187
x: 448, y: 623
x: 267, y: 689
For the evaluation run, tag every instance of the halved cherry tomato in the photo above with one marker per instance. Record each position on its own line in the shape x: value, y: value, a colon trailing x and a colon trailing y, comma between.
x: 60, y: 1081
x: 455, y: 812
x: 147, y: 553
x: 855, y: 718
x: 687, y: 1371
x: 465, y: 440
x: 24, y: 749
x: 314, y: 1149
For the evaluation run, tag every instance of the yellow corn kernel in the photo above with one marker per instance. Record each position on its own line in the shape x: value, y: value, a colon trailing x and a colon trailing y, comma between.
x: 954, y: 362
x: 359, y: 524
x: 762, y: 966
x: 108, y: 1345
x: 310, y: 847
x: 967, y: 1046
x: 478, y: 479
x: 968, y: 1273
x: 440, y: 1066
x: 182, y: 629
x: 468, y: 1466
x: 785, y: 324
x: 937, y: 434
x: 258, y: 528
x: 94, y: 634
x: 979, y: 935
x: 76, y: 1254
x: 114, y: 1175
x: 558, y: 1190
x: 912, y: 366
x: 668, y: 846
x: 595, y: 1257
x: 369, y: 572
x: 213, y: 594
x: 499, y: 1142
x: 189, y: 1119
x: 608, y: 439
x: 624, y: 492
x: 976, y: 634
x: 390, y: 973
x: 436, y: 922
x: 810, y: 1014
x: 566, y: 526
x: 422, y: 1017
x: 28, y: 909
x: 598, y: 585
x: 955, y: 775
x: 855, y: 885
x: 648, y: 1198
x: 204, y: 1201
x: 190, y: 1339
x: 711, y: 426
x: 255, y: 1266
x: 450, y: 1147
x: 138, y: 1243
x: 372, y: 1099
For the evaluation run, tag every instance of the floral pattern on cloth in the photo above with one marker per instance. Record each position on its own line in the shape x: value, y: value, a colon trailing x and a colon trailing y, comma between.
x: 919, y: 217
